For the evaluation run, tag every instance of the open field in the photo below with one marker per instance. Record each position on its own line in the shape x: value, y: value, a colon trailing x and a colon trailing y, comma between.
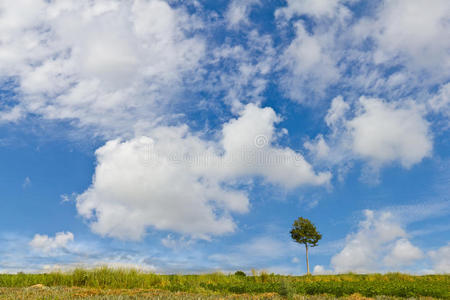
x: 107, y: 283
x: 33, y: 293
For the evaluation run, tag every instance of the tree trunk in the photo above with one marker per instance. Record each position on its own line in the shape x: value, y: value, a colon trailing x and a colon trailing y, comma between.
x: 307, y: 262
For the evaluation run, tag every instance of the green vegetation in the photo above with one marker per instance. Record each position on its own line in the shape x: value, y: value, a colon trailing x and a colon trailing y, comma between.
x: 134, y: 294
x: 240, y: 273
x: 395, y: 284
x: 305, y: 232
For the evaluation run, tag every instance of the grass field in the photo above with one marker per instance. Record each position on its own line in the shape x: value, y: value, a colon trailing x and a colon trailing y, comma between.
x: 104, y: 283
x: 33, y: 293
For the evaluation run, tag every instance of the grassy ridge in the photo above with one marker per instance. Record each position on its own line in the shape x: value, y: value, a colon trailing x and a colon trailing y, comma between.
x: 399, y: 285
x: 58, y: 293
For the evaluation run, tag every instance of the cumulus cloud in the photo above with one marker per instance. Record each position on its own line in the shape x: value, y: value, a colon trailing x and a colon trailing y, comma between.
x: 441, y: 259
x: 380, y: 243
x: 50, y: 245
x: 128, y: 195
x: 173, y: 180
x: 104, y: 64
x: 403, y: 253
x: 384, y: 132
x: 248, y: 142
x: 375, y: 131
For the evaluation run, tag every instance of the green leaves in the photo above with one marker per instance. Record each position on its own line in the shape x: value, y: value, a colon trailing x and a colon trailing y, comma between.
x: 304, y: 232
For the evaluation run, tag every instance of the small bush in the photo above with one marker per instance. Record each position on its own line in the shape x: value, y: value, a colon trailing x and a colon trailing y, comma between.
x: 286, y: 289
x: 240, y: 273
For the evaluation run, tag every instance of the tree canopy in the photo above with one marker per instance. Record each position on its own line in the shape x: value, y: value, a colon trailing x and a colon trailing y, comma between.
x: 304, y: 232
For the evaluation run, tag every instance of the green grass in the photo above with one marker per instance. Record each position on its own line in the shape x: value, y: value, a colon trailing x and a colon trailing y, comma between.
x: 394, y: 284
x: 134, y: 294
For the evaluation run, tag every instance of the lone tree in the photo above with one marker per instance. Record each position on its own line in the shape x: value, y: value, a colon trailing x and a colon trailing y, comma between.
x: 304, y: 232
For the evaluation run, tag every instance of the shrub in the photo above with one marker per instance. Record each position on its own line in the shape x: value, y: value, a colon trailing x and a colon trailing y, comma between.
x: 286, y: 289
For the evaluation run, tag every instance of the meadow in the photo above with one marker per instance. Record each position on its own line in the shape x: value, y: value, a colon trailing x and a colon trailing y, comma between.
x: 133, y: 284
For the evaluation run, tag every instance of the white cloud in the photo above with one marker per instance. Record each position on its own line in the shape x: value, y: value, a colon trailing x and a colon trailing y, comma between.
x: 248, y: 143
x: 10, y: 114
x: 68, y: 197
x: 375, y: 131
x: 384, y: 132
x: 336, y: 112
x: 49, y: 245
x: 403, y: 253
x: 104, y: 64
x: 26, y: 183
x: 318, y: 146
x: 129, y: 194
x: 320, y: 270
x: 248, y: 69
x: 178, y: 182
x: 238, y: 12
x: 441, y: 259
x: 379, y: 241
x: 314, y: 8
x: 396, y: 49
x: 311, y: 67
x: 440, y: 102
x: 429, y: 209
x: 411, y: 32
x: 176, y: 243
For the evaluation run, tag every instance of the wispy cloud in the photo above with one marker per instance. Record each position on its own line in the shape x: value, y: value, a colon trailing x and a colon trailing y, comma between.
x: 26, y: 182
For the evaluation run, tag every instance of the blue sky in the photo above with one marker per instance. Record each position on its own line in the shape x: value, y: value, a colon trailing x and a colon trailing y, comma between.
x: 187, y: 136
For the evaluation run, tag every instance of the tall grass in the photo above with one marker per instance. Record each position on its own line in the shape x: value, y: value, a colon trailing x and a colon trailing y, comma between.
x: 394, y: 284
